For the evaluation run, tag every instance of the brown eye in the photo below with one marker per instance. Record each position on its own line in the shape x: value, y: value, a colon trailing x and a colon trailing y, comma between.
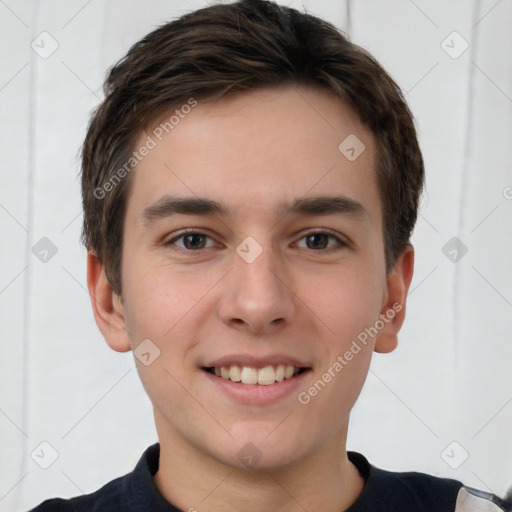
x: 195, y: 241
x: 191, y: 241
x: 317, y: 241
x: 321, y: 240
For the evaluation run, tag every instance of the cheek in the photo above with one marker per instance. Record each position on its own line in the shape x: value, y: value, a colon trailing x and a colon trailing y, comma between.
x: 166, y: 306
x: 331, y: 396
x: 348, y: 306
x: 161, y: 306
x: 346, y: 301
x: 160, y: 299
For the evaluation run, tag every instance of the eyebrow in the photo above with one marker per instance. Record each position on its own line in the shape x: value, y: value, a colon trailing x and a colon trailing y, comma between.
x: 168, y: 205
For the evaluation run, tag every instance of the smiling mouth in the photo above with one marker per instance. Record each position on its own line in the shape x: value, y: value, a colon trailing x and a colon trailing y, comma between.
x: 265, y: 376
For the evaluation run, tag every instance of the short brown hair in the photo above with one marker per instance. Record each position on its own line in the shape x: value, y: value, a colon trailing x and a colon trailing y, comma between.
x: 223, y: 48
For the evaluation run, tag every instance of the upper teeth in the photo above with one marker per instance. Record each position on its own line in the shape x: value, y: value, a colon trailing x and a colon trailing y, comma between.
x: 264, y: 376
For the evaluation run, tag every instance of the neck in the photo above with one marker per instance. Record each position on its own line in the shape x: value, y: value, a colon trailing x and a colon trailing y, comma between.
x: 191, y: 480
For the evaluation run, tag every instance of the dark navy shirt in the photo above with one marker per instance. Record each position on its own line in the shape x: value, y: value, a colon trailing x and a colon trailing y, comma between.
x: 384, y: 491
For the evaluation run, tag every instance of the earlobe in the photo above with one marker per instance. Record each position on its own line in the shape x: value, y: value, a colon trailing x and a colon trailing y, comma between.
x: 107, y: 307
x: 393, y: 312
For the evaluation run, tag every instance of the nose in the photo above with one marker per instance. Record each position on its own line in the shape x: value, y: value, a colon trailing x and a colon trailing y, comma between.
x: 258, y: 295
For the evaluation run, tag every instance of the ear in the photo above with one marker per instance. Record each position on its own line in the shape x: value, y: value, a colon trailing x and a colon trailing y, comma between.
x: 107, y: 306
x: 394, y: 301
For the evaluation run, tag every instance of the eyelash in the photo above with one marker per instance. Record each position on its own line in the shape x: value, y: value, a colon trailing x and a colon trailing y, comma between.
x: 183, y: 234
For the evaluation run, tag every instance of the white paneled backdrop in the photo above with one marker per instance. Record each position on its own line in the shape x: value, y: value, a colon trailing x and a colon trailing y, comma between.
x: 441, y: 403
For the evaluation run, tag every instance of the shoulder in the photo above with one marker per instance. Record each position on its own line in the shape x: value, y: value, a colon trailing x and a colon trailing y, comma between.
x: 109, y: 497
x: 397, y: 491
x: 133, y: 491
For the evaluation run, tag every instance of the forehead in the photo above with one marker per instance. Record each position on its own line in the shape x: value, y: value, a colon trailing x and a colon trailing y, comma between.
x: 255, y: 151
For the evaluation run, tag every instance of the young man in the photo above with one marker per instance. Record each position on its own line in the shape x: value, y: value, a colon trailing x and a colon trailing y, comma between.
x: 250, y: 184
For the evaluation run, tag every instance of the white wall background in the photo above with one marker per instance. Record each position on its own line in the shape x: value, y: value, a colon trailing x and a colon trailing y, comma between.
x: 449, y: 380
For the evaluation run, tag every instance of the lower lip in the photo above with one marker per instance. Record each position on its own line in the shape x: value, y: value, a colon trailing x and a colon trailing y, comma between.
x: 256, y: 393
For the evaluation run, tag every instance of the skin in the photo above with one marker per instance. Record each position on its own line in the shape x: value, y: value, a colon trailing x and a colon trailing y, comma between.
x: 252, y: 151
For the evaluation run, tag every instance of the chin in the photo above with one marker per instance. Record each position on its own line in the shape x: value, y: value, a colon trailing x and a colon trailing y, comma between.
x: 264, y: 449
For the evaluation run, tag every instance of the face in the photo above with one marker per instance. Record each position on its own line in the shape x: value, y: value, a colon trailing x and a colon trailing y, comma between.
x: 252, y: 243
